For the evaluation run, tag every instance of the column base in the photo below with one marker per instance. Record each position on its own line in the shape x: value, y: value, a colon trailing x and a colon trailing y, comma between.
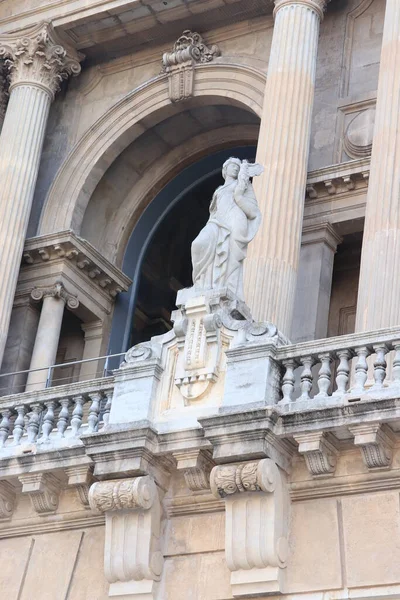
x: 253, y: 583
x: 133, y: 590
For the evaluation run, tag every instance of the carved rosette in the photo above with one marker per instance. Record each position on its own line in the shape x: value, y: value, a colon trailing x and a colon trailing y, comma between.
x: 189, y: 50
x: 37, y: 56
x: 56, y: 291
x: 123, y: 494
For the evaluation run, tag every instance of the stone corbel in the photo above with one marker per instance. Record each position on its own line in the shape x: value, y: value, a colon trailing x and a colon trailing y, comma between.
x: 320, y: 454
x: 44, y: 491
x: 133, y: 561
x: 196, y: 466
x: 256, y: 503
x: 376, y: 445
x: 80, y: 478
x: 179, y: 64
x: 7, y: 500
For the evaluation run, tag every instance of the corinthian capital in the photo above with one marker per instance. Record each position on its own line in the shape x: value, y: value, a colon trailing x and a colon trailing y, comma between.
x: 318, y: 6
x: 38, y: 56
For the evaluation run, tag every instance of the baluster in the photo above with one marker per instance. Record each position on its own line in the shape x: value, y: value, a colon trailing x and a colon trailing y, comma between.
x: 107, y: 408
x: 63, y: 417
x: 361, y: 370
x: 77, y: 413
x: 306, y: 377
x: 288, y: 380
x: 396, y: 364
x: 343, y: 370
x: 19, y: 424
x: 93, y: 416
x: 379, y: 366
x: 33, y: 422
x: 48, y: 421
x: 5, y: 426
x: 324, y: 375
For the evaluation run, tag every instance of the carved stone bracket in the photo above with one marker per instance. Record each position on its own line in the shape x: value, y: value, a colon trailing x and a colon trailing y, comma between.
x: 133, y: 563
x: 7, y: 500
x: 256, y: 505
x: 196, y: 466
x: 179, y: 64
x: 80, y: 478
x: 44, y: 491
x: 320, y: 454
x: 56, y: 291
x: 376, y: 445
x: 38, y: 56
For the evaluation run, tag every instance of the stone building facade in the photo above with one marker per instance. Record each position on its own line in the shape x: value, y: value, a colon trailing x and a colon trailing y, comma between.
x: 164, y: 442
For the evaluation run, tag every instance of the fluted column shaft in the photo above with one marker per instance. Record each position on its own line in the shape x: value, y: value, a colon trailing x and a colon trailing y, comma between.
x: 21, y: 144
x: 379, y: 287
x: 35, y: 62
x: 283, y: 147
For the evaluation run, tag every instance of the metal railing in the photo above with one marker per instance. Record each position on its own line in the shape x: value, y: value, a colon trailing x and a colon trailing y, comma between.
x: 103, y: 371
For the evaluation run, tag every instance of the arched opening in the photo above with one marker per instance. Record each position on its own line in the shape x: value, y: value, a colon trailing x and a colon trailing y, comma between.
x: 158, y: 257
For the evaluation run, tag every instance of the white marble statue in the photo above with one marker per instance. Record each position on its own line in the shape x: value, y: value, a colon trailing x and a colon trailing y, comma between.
x: 220, y: 248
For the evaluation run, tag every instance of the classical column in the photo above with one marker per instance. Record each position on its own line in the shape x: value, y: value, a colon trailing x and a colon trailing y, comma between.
x: 314, y: 282
x: 378, y: 302
x: 283, y: 146
x: 37, y: 61
x: 48, y: 333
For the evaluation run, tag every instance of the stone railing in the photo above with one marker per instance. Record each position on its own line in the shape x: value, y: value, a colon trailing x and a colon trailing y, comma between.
x: 341, y: 369
x: 55, y: 416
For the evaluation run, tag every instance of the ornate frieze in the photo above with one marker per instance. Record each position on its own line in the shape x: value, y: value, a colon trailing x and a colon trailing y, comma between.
x: 133, y: 563
x: 320, y: 454
x: 189, y: 50
x: 38, y: 56
x: 56, y: 291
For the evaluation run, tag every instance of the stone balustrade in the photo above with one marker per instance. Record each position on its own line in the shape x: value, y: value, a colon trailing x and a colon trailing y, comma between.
x: 341, y: 369
x: 55, y: 416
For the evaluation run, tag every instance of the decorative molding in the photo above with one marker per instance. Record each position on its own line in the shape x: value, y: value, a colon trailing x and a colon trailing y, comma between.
x: 132, y: 563
x: 319, y: 453
x: 318, y: 6
x: 40, y: 57
x: 44, y: 491
x: 335, y: 180
x: 256, y: 553
x: 321, y: 233
x: 359, y: 134
x: 376, y: 445
x: 196, y: 466
x: 58, y: 523
x: 80, y: 478
x: 189, y: 50
x: 55, y: 291
x: 7, y: 501
x: 195, y: 504
x: 67, y: 246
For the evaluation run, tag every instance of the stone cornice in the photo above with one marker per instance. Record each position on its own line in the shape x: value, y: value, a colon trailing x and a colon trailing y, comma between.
x: 66, y: 245
x: 38, y: 56
x: 351, y: 176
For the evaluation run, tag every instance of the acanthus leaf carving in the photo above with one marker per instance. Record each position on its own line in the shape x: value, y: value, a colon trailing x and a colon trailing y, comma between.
x: 38, y: 56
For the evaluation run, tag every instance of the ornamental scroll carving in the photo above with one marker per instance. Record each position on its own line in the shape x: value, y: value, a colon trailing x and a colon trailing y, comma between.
x: 256, y: 503
x: 189, y: 50
x: 38, y: 56
x: 55, y: 291
x: 133, y: 560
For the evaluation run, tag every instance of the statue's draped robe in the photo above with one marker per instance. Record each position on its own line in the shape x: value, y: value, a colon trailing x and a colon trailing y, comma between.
x: 220, y: 248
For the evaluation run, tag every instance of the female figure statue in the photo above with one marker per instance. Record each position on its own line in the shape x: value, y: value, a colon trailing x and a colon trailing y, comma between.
x: 220, y: 248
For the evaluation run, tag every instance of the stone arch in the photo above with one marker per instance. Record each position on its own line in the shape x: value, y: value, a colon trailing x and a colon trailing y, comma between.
x: 124, y: 122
